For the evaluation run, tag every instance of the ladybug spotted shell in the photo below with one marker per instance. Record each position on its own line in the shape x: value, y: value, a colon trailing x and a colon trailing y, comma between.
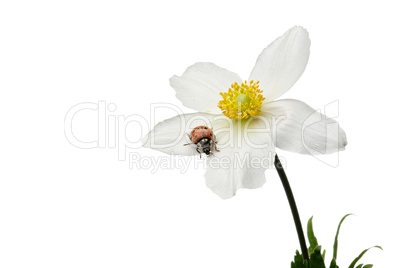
x: 201, y: 132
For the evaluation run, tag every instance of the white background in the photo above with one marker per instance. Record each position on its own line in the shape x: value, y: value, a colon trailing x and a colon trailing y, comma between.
x: 61, y: 206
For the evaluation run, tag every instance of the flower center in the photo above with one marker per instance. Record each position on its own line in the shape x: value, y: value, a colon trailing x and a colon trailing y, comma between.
x: 242, y: 101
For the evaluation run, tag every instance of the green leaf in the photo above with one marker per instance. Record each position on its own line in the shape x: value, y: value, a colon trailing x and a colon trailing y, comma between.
x: 323, y: 254
x: 316, y: 259
x: 311, y: 237
x: 336, y: 239
x: 299, y: 262
x: 352, y: 265
x: 333, y: 264
x: 359, y: 266
x: 368, y: 266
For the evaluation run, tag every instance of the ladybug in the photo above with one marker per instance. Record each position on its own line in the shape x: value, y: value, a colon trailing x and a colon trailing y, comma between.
x: 204, y: 138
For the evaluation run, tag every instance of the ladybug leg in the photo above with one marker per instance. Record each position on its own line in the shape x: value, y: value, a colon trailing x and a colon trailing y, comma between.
x: 198, y: 152
x: 190, y: 140
x: 216, y: 149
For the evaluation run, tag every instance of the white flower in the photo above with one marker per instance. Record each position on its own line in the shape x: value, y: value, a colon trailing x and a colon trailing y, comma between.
x: 247, y: 120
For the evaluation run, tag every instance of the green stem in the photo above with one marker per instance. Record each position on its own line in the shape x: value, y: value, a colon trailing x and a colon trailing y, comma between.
x: 293, y: 207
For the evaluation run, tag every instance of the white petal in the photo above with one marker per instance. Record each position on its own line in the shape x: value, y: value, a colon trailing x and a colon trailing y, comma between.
x: 170, y: 135
x: 243, y: 158
x: 281, y: 64
x: 199, y: 86
x: 297, y: 127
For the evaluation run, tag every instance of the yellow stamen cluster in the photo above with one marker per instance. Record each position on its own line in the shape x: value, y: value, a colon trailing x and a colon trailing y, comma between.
x: 242, y: 101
